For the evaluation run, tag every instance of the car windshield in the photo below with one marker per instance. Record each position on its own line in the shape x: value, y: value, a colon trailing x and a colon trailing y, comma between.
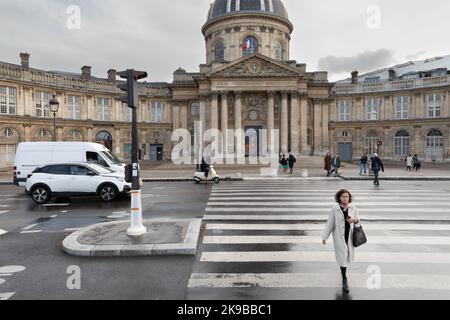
x: 111, y: 157
x: 100, y: 169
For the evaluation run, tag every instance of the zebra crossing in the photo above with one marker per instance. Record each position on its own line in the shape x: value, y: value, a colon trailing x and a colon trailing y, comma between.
x: 6, y: 272
x: 268, y: 235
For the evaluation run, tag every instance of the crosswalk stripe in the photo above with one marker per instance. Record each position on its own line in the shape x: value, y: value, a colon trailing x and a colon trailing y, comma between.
x: 314, y: 198
x: 305, y: 209
x: 315, y: 227
x: 317, y: 240
x: 212, y: 217
x: 326, y: 256
x: 291, y: 188
x: 6, y: 295
x: 3, y: 211
x: 2, y: 232
x: 31, y: 226
x: 316, y: 280
x: 316, y: 204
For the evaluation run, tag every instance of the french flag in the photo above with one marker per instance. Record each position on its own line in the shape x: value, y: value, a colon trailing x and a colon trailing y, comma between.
x: 247, y: 44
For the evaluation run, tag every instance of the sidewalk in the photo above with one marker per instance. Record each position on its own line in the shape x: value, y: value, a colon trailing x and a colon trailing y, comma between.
x: 167, y: 171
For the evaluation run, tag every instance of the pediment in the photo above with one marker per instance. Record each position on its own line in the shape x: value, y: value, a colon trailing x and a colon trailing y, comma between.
x: 255, y: 66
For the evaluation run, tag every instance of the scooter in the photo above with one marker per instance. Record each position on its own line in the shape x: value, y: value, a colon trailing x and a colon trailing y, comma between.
x: 199, y: 176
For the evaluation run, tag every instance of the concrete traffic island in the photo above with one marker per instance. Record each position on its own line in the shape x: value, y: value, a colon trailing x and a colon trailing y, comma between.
x: 163, y: 237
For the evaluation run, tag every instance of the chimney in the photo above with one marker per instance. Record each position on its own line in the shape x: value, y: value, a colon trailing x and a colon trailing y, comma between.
x: 354, y: 77
x: 112, y: 75
x: 86, y: 73
x: 25, y: 60
x: 392, y: 74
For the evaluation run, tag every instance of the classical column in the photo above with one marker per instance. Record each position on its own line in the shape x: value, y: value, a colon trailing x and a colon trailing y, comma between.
x: 239, y: 144
x: 271, y: 119
x: 184, y: 115
x: 284, y: 122
x: 117, y: 142
x: 325, y: 123
x: 317, y: 127
x: 90, y: 108
x: 295, y: 124
x: 28, y: 102
x: 176, y: 117
x: 215, y: 111
x: 304, y: 124
x: 224, y: 119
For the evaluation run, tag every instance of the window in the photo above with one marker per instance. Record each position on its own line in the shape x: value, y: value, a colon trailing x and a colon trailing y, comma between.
x: 127, y: 113
x: 74, y: 105
x: 373, y: 109
x: 434, y: 105
x: 411, y: 76
x: 59, y: 170
x: 76, y: 135
x: 402, y: 143
x: 103, y: 106
x: 372, y: 143
x: 157, y: 111
x: 344, y: 110
x: 402, y: 108
x: 8, y: 132
x: 81, y: 171
x: 279, y: 52
x: 195, y: 110
x: 7, y: 100
x: 439, y: 73
x: 249, y: 46
x: 219, y: 52
x: 42, y: 104
x: 435, y: 139
x: 43, y: 134
x: 127, y: 150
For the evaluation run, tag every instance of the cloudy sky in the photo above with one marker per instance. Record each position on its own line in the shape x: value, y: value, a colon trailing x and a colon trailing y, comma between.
x: 159, y: 36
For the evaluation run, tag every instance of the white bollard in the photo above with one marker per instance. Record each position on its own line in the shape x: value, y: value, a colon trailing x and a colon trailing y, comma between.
x: 136, y: 228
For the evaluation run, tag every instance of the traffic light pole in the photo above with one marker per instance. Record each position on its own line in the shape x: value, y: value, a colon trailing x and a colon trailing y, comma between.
x: 136, y: 228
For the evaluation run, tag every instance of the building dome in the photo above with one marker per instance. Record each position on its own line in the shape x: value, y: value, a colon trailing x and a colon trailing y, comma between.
x: 220, y: 8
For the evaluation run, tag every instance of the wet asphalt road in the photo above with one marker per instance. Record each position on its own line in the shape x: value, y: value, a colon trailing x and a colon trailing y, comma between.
x: 273, y: 256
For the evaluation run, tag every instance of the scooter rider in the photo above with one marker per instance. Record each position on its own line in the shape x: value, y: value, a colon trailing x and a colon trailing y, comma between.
x: 205, y: 168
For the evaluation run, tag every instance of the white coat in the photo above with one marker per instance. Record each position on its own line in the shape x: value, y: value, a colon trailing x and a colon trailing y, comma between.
x: 345, y: 254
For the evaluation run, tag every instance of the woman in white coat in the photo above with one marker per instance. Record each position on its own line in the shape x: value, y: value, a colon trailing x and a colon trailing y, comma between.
x: 341, y: 222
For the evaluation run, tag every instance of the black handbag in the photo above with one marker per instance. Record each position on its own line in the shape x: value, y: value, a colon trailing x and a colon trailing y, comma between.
x: 359, y: 237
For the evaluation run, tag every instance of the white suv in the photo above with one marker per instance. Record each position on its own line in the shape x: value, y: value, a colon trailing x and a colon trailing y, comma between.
x: 75, y: 179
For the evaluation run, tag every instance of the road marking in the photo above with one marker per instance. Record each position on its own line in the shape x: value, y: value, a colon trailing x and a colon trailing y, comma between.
x: 315, y: 227
x: 315, y: 280
x: 30, y: 227
x: 6, y: 296
x: 32, y: 231
x: 2, y: 232
x: 309, y: 190
x: 331, y: 198
x: 315, y: 204
x: 2, y: 281
x: 56, y: 205
x: 5, y: 206
x: 317, y: 240
x: 3, y: 211
x: 53, y: 216
x: 326, y: 256
x: 314, y: 194
x: 303, y: 209
x: 11, y: 269
x: 71, y: 229
x: 320, y: 218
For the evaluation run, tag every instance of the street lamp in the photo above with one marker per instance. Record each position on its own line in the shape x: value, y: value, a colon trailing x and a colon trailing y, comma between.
x: 54, y: 107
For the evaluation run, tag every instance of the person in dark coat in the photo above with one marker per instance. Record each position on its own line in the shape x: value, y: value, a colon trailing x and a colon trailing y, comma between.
x: 292, y: 160
x: 284, y: 164
x: 416, y: 162
x: 377, y: 166
x: 205, y: 167
x: 336, y: 165
x: 363, y: 164
x: 327, y: 160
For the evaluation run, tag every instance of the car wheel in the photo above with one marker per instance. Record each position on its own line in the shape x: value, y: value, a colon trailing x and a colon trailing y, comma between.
x: 108, y: 193
x: 40, y: 194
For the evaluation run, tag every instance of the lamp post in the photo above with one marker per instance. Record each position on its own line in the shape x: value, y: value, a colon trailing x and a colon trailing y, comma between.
x: 54, y: 107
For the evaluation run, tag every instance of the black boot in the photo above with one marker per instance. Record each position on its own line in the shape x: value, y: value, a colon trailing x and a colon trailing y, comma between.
x: 345, y: 287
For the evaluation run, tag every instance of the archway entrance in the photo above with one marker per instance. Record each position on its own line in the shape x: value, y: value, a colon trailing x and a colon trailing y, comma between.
x: 104, y: 138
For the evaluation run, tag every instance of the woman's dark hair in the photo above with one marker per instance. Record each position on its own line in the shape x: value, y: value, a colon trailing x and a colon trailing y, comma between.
x: 339, y: 195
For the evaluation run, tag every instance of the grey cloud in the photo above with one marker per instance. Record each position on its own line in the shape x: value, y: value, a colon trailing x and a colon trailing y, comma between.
x: 363, y: 62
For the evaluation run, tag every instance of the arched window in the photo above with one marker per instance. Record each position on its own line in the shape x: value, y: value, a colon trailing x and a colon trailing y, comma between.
x: 435, y: 139
x: 8, y: 132
x: 402, y: 142
x: 249, y: 46
x: 371, y: 143
x: 76, y: 135
x: 219, y: 52
x: 43, y: 134
x: 279, y: 52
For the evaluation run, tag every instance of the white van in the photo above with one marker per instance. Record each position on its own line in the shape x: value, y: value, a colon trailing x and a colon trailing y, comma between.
x: 31, y: 155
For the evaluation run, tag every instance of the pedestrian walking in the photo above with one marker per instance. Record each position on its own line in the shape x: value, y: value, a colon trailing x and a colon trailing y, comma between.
x: 284, y: 164
x: 291, y: 160
x: 363, y: 164
x: 409, y: 163
x: 377, y: 166
x: 328, y: 163
x: 416, y: 163
x: 343, y: 218
x: 336, y: 165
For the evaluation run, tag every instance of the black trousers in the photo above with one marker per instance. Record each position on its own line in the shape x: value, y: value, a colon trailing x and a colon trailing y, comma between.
x: 376, y: 180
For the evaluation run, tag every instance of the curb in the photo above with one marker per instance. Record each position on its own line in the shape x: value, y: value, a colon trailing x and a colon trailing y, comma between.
x: 5, y: 183
x: 71, y: 245
x: 397, y: 178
